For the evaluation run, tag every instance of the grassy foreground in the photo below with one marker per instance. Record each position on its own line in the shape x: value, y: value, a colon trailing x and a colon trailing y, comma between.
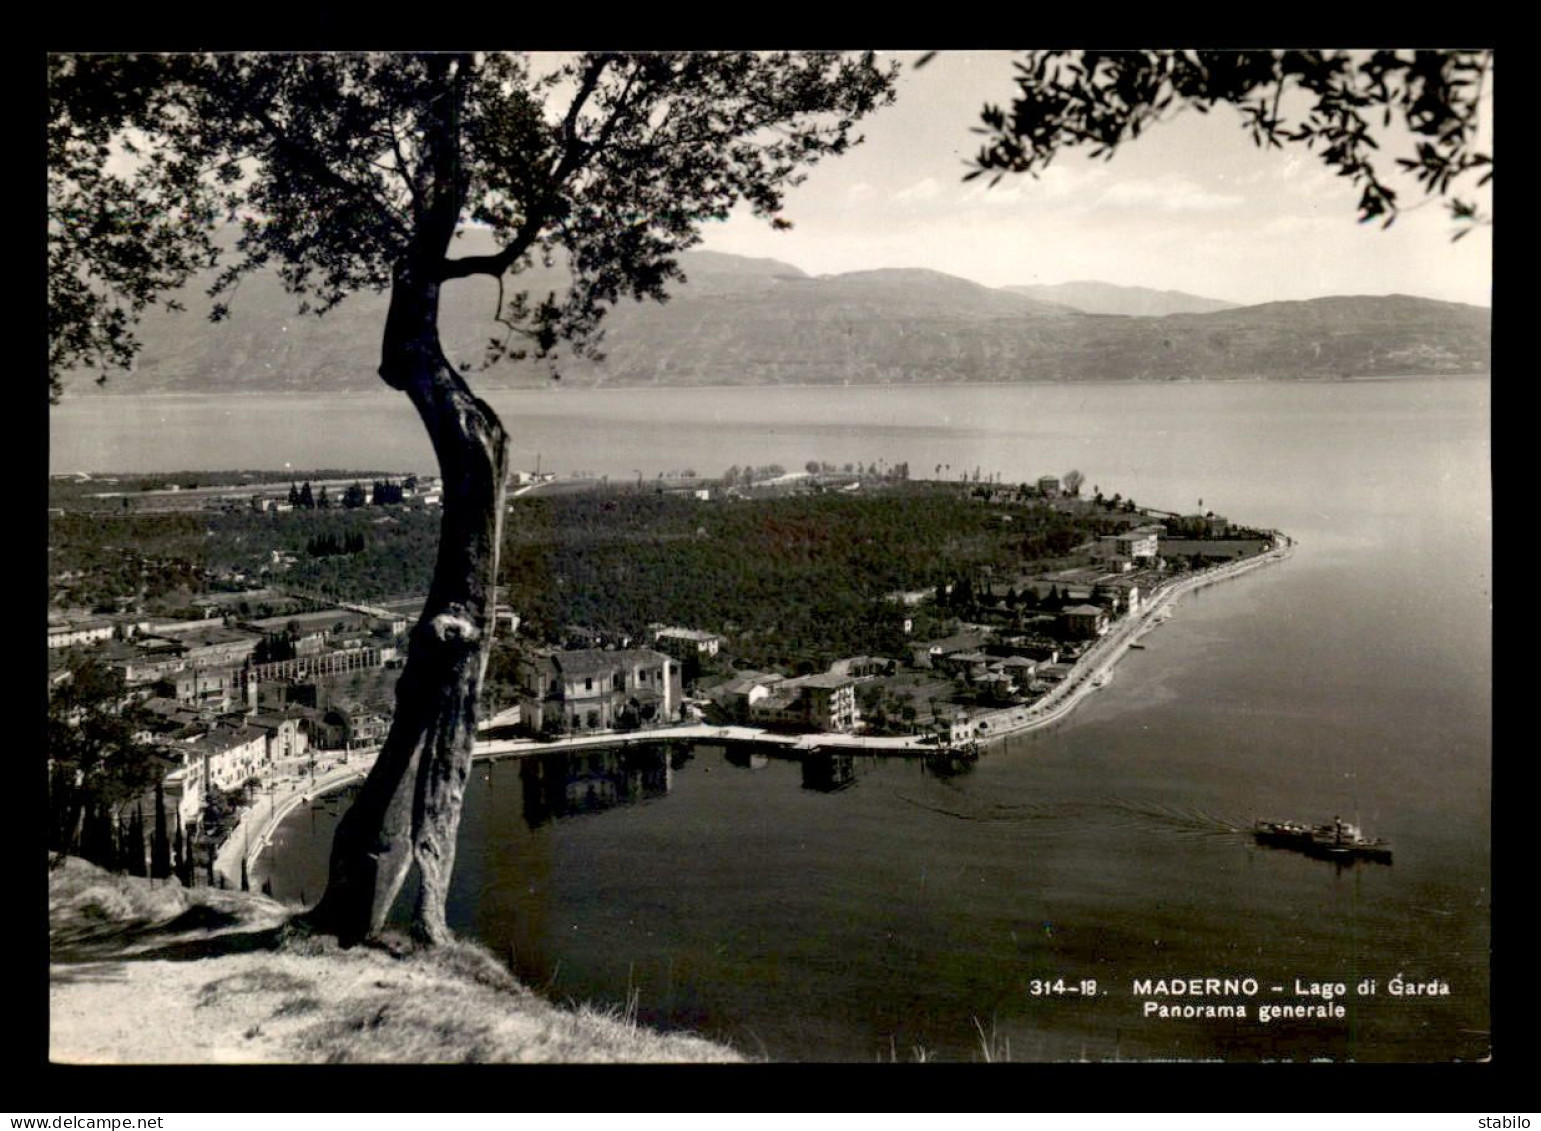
x: 146, y: 972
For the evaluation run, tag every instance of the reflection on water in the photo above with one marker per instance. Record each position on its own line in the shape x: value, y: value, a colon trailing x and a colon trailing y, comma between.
x: 828, y: 771
x: 741, y: 755
x: 949, y: 762
x: 562, y: 784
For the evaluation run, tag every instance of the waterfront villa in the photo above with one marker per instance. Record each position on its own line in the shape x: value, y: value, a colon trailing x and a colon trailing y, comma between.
x: 590, y: 689
x: 824, y: 702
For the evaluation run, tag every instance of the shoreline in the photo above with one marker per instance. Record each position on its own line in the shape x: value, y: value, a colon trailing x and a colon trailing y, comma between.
x: 1090, y: 673
x: 1105, y: 654
x: 95, y: 395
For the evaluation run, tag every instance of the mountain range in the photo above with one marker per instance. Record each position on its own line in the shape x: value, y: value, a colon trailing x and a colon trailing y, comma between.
x: 1091, y: 297
x: 742, y: 321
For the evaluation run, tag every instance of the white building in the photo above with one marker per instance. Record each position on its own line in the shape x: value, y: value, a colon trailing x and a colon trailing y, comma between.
x: 683, y: 642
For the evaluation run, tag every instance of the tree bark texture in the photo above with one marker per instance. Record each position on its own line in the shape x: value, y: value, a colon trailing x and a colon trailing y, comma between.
x: 409, y: 808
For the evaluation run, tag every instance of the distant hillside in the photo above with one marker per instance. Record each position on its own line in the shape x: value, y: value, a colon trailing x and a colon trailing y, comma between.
x: 741, y: 321
x: 1091, y: 297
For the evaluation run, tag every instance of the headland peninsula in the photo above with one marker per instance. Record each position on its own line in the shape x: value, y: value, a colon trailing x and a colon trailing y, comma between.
x: 241, y: 634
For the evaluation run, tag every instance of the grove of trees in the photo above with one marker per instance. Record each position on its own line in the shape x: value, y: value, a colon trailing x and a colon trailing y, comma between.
x: 790, y: 580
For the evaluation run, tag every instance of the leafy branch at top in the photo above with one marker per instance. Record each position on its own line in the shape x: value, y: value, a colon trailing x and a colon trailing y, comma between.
x: 337, y: 169
x: 1349, y: 105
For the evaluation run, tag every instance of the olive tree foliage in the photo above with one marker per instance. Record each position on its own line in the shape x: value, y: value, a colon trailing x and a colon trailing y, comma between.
x: 327, y: 164
x: 347, y: 172
x: 1423, y: 106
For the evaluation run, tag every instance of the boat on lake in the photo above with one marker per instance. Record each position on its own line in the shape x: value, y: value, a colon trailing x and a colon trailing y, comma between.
x: 1336, y: 841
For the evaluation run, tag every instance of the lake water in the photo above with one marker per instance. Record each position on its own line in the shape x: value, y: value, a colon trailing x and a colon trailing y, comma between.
x: 909, y: 912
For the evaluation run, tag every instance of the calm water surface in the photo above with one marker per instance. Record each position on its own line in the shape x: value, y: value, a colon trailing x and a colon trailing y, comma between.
x: 894, y: 914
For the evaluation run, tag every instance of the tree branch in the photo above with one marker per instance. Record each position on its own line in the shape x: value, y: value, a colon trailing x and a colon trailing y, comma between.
x: 323, y: 172
x: 574, y: 153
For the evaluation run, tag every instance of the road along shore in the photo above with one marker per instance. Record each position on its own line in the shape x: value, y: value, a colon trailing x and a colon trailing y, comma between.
x: 1095, y: 667
x: 1091, y: 671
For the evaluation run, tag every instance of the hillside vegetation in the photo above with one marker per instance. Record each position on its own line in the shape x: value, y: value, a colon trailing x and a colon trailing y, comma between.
x: 745, y: 321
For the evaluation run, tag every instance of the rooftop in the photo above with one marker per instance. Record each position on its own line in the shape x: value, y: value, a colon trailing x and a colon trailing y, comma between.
x: 215, y: 633
x: 826, y: 680
x: 744, y: 681
x: 962, y: 642
x: 323, y: 617
x: 586, y: 660
x: 226, y: 738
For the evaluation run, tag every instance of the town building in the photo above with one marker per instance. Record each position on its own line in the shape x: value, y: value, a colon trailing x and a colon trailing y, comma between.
x: 814, y: 702
x: 830, y: 701
x: 328, y: 663
x: 967, y: 664
x: 324, y: 621
x: 928, y: 654
x: 864, y: 667
x: 684, y: 643
x: 1082, y: 622
x: 591, y: 689
x: 341, y: 727
x: 735, y: 698
x: 504, y: 620
x: 213, y: 689
x: 70, y: 634
x: 1134, y: 545
x: 288, y: 733
x: 224, y: 758
x: 1127, y: 591
x: 1020, y: 670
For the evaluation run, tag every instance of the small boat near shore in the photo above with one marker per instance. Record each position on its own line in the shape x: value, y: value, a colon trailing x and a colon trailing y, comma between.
x: 1336, y: 841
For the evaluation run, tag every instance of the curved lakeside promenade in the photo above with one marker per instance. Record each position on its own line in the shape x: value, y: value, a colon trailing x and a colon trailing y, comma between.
x: 1091, y: 671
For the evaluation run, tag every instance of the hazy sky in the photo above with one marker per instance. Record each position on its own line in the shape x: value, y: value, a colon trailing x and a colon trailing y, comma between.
x: 1191, y: 205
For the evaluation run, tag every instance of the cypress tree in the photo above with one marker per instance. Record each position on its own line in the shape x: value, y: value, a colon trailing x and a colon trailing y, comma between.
x: 133, y: 848
x: 96, y: 836
x: 160, y: 844
x: 184, y: 853
x: 119, y: 837
x: 245, y: 880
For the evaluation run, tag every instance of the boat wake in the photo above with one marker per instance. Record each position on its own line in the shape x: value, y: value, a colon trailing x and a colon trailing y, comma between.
x: 1173, y: 820
x: 1111, y: 812
x: 1037, y: 811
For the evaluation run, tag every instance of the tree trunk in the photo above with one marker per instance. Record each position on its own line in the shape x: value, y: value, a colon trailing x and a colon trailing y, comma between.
x: 409, y: 808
